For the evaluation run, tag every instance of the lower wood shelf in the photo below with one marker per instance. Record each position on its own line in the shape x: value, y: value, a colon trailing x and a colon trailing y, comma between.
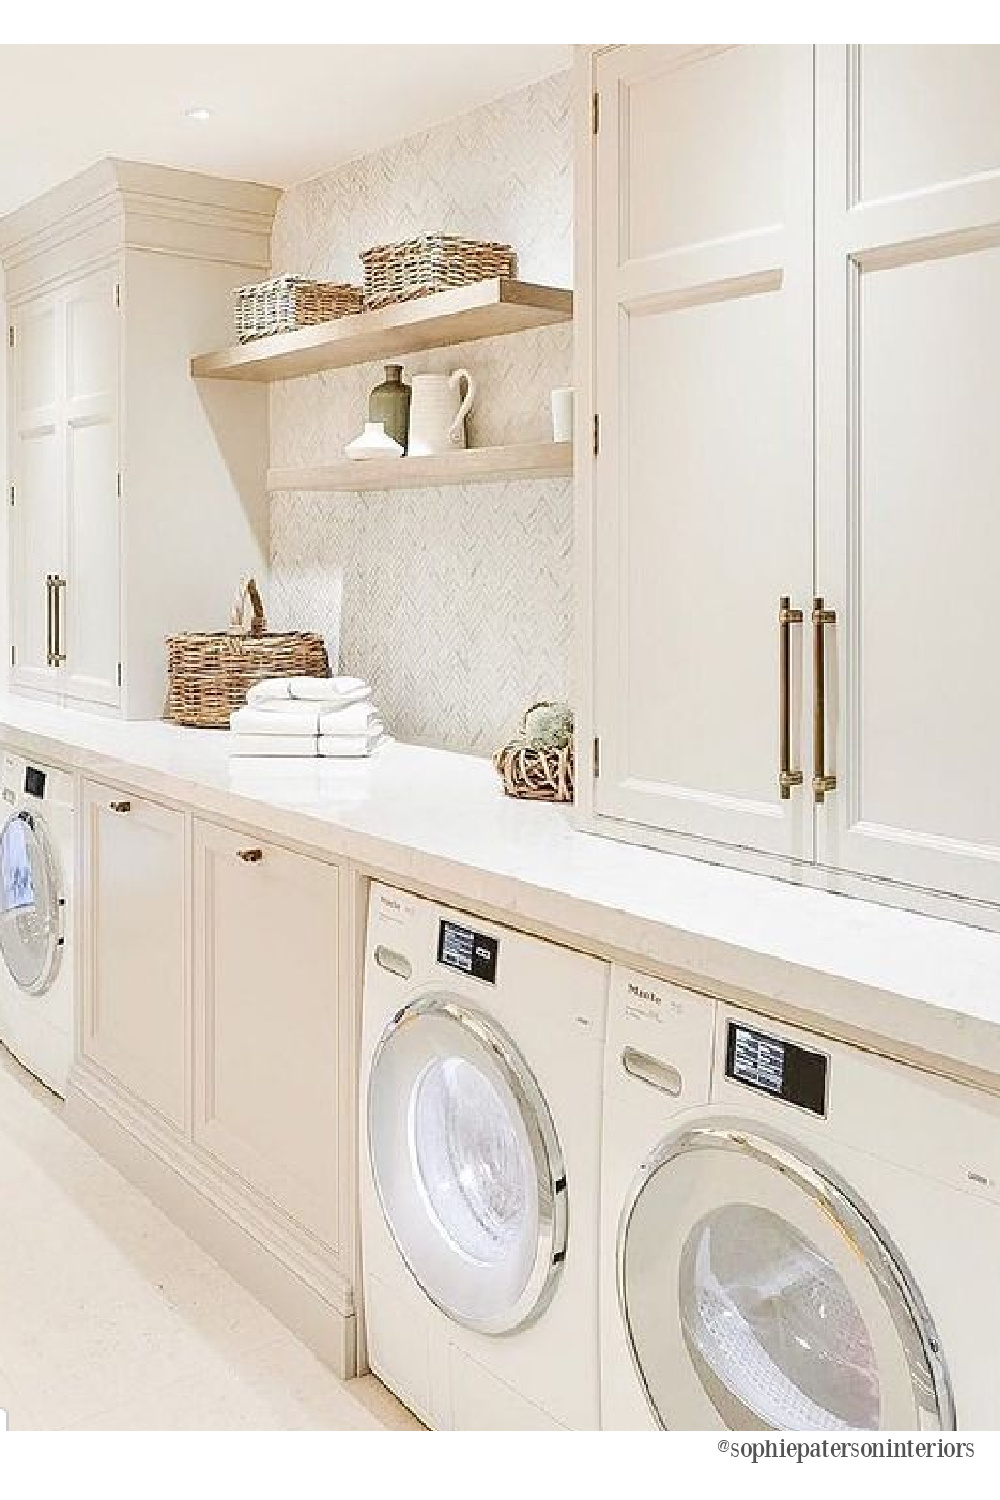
x: 465, y: 466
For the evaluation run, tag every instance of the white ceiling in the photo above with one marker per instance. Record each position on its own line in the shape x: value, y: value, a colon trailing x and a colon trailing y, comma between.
x: 279, y: 114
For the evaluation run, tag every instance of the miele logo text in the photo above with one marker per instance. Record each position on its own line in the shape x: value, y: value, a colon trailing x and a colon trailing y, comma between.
x: 638, y: 993
x: 388, y: 902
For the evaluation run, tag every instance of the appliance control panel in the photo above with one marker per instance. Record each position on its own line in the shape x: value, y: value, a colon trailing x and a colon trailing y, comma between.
x: 471, y: 953
x: 775, y: 1066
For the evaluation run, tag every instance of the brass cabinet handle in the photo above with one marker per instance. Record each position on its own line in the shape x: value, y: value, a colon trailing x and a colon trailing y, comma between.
x: 251, y: 856
x: 49, y: 611
x: 787, y: 617
x: 121, y: 807
x: 58, y: 588
x: 822, y: 782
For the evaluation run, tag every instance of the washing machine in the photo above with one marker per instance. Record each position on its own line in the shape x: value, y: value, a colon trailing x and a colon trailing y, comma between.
x: 37, y: 832
x: 796, y: 1234
x: 480, y: 1094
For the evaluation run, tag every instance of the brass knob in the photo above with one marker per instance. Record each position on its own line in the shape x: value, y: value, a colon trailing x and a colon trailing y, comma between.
x: 251, y: 856
x: 121, y: 807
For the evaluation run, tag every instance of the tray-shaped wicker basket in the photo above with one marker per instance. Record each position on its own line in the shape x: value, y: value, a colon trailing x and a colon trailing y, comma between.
x: 289, y: 302
x: 538, y: 775
x: 210, y: 674
x: 432, y: 263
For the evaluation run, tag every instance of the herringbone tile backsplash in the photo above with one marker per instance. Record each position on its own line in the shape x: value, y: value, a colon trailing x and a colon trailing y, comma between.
x: 454, y: 602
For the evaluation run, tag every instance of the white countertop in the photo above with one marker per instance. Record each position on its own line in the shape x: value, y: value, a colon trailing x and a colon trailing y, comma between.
x: 919, y: 986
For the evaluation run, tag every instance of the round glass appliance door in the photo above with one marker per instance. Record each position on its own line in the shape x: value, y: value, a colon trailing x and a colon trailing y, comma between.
x: 467, y: 1165
x: 31, y: 918
x: 758, y: 1294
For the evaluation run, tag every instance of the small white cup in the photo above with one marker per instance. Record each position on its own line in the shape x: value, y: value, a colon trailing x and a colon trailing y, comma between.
x: 562, y: 414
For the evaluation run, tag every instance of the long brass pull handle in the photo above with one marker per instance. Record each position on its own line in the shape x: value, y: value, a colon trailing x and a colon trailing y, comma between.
x: 121, y: 807
x: 58, y: 654
x: 251, y: 856
x: 787, y: 617
x: 49, y: 630
x: 822, y: 782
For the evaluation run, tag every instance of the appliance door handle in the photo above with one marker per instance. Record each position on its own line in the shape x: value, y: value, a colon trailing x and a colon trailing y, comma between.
x: 787, y: 776
x: 822, y: 781
x: 659, y: 1075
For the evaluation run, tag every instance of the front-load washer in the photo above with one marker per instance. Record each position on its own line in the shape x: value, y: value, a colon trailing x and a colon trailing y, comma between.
x: 796, y: 1234
x: 36, y: 875
x: 480, y: 1099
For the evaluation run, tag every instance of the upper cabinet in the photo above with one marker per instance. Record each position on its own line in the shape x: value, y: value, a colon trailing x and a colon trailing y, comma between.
x: 130, y: 517
x: 788, y: 522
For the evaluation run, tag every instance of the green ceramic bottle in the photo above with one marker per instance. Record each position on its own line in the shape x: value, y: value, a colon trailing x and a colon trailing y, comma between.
x: 389, y: 403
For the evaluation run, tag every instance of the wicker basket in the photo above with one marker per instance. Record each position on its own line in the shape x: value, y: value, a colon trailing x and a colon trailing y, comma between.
x: 534, y: 774
x: 290, y: 302
x: 433, y: 263
x: 210, y: 675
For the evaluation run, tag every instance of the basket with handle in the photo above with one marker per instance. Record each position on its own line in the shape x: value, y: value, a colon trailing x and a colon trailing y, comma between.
x: 210, y: 673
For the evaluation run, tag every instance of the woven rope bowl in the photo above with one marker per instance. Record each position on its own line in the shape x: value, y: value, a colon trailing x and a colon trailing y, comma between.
x: 534, y: 773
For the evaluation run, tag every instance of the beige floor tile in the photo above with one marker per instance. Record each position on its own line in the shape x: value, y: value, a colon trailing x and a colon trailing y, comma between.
x: 111, y: 1318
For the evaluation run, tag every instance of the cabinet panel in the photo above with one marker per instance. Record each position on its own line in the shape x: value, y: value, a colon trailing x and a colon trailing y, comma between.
x: 36, y: 473
x: 908, y: 472
x: 91, y: 597
x: 703, y: 483
x: 135, y: 973
x: 927, y: 117
x: 267, y: 1093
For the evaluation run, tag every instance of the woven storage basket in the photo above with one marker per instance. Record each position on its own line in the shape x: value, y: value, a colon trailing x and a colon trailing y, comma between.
x: 290, y: 302
x: 536, y: 775
x: 211, y: 674
x: 433, y: 263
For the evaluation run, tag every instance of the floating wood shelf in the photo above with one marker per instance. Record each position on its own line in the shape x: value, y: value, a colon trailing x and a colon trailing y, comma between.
x: 478, y: 311
x: 465, y: 466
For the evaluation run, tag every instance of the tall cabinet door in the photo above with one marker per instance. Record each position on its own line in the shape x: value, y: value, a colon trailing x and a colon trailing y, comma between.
x: 90, y: 607
x: 908, y: 460
x: 703, y: 484
x: 36, y: 479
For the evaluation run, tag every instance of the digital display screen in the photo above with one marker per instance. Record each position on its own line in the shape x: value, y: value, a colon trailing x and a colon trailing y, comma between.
x: 471, y: 953
x: 34, y: 782
x: 777, y: 1067
x: 759, y: 1060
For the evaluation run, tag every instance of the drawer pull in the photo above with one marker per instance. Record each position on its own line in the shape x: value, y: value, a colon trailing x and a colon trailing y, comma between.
x: 251, y: 856
x: 659, y: 1075
x: 121, y: 807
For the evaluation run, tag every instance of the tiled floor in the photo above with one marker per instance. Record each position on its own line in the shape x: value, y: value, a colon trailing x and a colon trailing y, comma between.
x: 112, y: 1319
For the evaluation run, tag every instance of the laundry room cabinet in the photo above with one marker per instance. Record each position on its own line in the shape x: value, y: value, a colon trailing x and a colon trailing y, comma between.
x: 135, y: 1014
x: 128, y: 518
x: 787, y: 489
x: 270, y: 1039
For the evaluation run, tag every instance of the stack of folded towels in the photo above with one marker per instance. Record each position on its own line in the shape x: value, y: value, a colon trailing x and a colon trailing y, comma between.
x: 307, y: 716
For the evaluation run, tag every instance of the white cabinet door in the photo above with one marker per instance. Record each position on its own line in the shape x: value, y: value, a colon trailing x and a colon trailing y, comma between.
x: 90, y: 609
x: 268, y: 1018
x: 135, y: 1009
x: 36, y: 479
x: 908, y: 460
x: 703, y: 483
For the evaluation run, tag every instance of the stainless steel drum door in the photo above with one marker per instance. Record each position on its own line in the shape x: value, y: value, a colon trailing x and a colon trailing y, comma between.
x: 758, y: 1293
x: 467, y: 1165
x: 31, y: 911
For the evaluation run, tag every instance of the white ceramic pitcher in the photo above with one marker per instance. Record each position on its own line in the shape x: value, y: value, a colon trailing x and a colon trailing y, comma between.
x: 438, y: 412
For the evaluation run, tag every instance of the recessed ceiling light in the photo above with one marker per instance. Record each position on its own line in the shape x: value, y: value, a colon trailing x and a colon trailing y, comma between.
x: 198, y: 113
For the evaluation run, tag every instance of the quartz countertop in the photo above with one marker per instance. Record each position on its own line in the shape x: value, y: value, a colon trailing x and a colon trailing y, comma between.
x: 914, y: 986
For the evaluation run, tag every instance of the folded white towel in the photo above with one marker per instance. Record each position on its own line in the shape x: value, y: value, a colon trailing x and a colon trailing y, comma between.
x: 291, y: 745
x: 272, y: 690
x: 299, y: 719
x: 358, y: 718
x: 334, y: 745
x: 337, y: 692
